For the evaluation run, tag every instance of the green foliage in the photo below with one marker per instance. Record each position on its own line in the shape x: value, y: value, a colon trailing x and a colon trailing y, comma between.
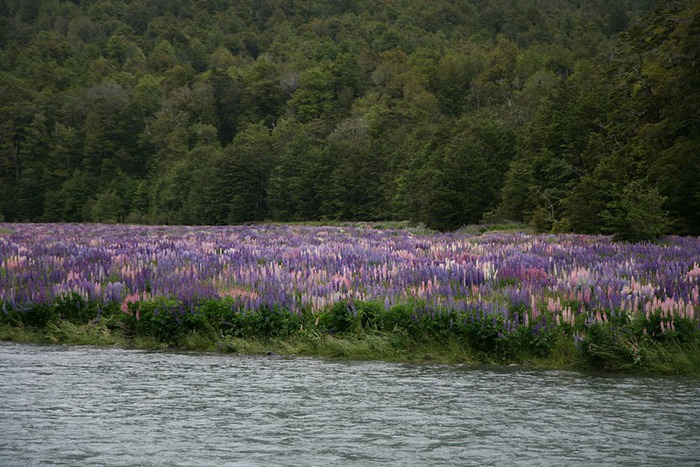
x: 638, y: 215
x: 368, y: 330
x: 611, y: 149
x: 399, y: 318
x: 293, y: 192
x: 161, y: 320
x: 72, y: 308
x: 339, y: 320
x: 636, y: 344
x: 314, y: 97
x: 457, y: 175
x: 168, y: 322
x: 431, y: 111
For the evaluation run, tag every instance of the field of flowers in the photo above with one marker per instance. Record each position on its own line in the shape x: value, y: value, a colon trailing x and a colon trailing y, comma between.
x: 485, y: 289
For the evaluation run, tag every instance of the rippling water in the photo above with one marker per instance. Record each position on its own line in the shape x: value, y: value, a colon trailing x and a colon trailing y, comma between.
x: 93, y: 406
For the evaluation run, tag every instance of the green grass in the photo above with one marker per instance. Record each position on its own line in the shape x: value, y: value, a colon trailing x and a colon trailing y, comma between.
x: 415, y: 228
x: 22, y: 335
x: 509, y: 227
x: 385, y: 347
x: 659, y: 359
x: 370, y: 333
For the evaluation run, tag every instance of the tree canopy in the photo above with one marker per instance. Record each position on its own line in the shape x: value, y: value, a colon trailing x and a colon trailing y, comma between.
x: 568, y: 115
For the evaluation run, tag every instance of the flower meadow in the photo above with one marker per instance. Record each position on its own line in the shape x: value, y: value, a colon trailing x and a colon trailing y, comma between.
x: 501, y: 294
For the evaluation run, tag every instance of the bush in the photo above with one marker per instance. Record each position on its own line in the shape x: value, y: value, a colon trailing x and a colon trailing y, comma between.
x: 399, y: 318
x: 340, y: 319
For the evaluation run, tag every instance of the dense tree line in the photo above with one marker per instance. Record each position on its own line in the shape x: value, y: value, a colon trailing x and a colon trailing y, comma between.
x: 568, y: 115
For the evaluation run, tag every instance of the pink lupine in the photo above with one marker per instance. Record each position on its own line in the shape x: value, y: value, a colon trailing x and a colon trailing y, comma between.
x: 131, y: 298
x: 533, y: 307
x: 315, y: 267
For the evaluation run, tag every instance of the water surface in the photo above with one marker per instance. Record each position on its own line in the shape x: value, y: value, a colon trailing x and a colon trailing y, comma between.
x: 65, y: 405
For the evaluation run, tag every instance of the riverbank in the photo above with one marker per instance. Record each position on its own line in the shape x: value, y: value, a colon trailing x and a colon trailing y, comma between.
x: 365, y: 333
x: 356, y: 292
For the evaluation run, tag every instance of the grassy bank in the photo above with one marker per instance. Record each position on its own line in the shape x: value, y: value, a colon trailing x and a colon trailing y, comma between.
x: 365, y: 331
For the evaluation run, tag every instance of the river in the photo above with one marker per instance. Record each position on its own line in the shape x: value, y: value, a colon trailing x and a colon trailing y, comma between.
x: 69, y: 405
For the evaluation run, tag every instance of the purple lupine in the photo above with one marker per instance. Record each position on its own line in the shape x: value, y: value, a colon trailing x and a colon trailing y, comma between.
x: 296, y: 267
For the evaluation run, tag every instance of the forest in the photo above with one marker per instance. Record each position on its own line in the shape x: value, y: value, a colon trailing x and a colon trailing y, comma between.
x: 566, y: 115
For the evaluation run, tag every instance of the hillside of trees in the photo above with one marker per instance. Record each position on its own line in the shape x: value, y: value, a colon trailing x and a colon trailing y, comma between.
x: 568, y: 115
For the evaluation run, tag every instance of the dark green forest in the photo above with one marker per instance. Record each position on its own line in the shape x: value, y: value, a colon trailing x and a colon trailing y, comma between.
x: 567, y: 115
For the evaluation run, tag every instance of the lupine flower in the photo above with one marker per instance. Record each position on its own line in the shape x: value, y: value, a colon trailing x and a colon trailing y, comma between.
x: 311, y: 268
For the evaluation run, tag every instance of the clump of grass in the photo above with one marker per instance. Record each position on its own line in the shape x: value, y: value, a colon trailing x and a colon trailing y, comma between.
x: 677, y: 359
x: 196, y: 340
x: 21, y: 334
x: 65, y: 332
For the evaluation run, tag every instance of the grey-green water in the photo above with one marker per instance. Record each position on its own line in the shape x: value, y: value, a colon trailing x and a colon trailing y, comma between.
x: 94, y: 406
